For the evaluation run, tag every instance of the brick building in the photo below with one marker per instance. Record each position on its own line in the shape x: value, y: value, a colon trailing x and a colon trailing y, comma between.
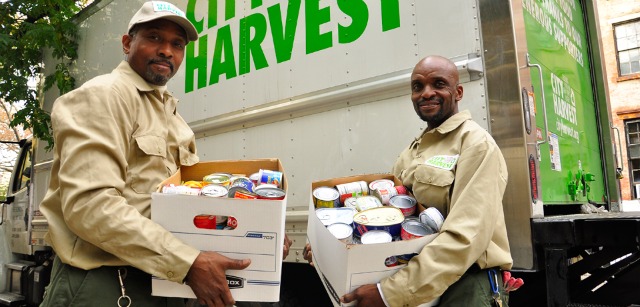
x: 620, y: 31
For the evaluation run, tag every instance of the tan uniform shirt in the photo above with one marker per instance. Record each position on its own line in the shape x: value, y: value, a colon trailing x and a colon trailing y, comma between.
x: 116, y: 138
x: 458, y: 169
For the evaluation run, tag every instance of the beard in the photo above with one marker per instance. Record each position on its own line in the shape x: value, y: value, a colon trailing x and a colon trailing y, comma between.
x: 438, y: 118
x: 155, y: 78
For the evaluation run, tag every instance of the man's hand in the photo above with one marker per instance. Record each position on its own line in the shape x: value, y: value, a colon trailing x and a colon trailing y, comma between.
x: 367, y: 295
x: 307, y: 254
x: 286, y: 246
x: 207, y: 278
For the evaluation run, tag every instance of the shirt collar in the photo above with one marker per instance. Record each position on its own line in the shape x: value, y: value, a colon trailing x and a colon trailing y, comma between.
x: 141, y: 84
x: 449, y: 125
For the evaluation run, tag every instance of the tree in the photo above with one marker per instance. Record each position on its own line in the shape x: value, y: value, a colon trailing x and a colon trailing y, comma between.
x: 26, y: 29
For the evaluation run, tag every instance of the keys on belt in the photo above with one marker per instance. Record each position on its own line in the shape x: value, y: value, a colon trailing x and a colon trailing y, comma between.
x: 495, y: 288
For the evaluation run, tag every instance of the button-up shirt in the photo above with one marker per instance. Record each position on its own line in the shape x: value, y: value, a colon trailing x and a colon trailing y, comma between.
x: 116, y: 138
x: 458, y: 169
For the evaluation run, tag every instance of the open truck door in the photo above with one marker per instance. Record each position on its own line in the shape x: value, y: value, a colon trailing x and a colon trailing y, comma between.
x: 24, y: 265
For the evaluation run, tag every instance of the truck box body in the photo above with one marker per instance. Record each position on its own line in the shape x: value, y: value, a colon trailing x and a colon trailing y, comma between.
x: 323, y: 85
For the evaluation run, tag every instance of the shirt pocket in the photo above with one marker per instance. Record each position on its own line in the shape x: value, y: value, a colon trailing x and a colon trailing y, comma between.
x: 148, y: 168
x: 432, y: 186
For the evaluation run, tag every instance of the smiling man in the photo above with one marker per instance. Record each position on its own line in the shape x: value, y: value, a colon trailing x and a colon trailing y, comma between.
x: 468, y: 190
x: 116, y: 138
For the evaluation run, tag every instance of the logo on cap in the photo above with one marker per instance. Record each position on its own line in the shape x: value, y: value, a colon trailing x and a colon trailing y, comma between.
x: 167, y: 7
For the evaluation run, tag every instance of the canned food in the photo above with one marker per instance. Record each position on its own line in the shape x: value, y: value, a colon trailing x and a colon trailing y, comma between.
x: 344, y: 197
x: 264, y: 186
x: 217, y: 178
x: 254, y: 178
x: 232, y: 223
x: 243, y: 182
x: 350, y: 202
x: 271, y: 193
x: 381, y: 218
x: 413, y: 229
x: 343, y: 232
x: 356, y: 188
x: 367, y: 202
x: 376, y: 236
x: 406, y: 204
x: 326, y: 197
x: 385, y: 194
x: 391, y: 261
x: 241, y: 192
x: 270, y: 177
x: 330, y: 216
x: 432, y: 218
x: 180, y: 189
x: 214, y: 190
x: 205, y: 221
x: 380, y: 184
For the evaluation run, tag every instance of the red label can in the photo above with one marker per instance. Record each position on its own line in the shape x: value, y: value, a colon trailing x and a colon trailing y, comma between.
x: 205, y: 221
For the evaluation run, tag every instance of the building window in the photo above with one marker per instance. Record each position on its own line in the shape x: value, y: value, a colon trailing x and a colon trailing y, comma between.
x: 628, y: 45
x: 633, y: 147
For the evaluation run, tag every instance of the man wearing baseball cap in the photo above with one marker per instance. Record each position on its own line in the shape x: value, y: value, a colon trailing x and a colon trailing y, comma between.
x: 116, y: 138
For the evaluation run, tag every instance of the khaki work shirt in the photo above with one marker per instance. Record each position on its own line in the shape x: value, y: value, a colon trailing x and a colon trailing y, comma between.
x: 116, y: 138
x: 458, y: 169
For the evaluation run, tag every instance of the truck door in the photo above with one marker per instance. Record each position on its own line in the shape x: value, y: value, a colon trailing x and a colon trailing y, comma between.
x: 566, y: 112
x: 17, y: 207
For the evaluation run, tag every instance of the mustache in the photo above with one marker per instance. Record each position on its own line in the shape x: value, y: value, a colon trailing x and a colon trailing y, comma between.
x: 432, y: 99
x: 156, y: 61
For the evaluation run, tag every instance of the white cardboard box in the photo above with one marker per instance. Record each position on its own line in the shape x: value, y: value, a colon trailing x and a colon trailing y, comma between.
x: 343, y: 268
x: 259, y: 235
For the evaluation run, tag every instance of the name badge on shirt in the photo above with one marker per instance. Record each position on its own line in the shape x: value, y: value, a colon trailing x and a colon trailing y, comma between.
x: 442, y: 161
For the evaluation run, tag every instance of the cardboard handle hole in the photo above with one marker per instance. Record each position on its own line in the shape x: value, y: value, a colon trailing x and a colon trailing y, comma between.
x: 219, y: 222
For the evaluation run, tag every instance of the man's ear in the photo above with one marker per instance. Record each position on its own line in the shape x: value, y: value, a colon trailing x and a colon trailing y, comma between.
x: 126, y: 43
x: 459, y: 92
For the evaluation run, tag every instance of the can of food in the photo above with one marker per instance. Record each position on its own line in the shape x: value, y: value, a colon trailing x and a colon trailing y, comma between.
x: 413, y: 229
x: 241, y: 192
x: 343, y: 232
x: 270, y: 177
x: 232, y: 222
x: 343, y: 197
x: 391, y: 261
x: 222, y: 179
x: 376, y: 236
x: 432, y: 218
x: 356, y: 188
x: 406, y: 204
x: 243, y: 182
x: 367, y: 202
x: 330, y: 216
x: 326, y: 197
x: 205, y: 221
x: 350, y: 202
x: 180, y: 189
x: 381, y: 218
x: 214, y: 190
x: 380, y: 184
x: 385, y: 194
x: 254, y: 178
x: 271, y: 193
x: 264, y: 186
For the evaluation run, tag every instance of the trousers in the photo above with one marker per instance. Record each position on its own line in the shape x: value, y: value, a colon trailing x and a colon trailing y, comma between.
x: 71, y: 286
x: 474, y: 289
